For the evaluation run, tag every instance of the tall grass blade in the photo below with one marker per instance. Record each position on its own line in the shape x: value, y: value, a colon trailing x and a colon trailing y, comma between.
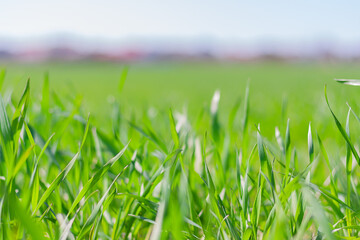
x: 2, y: 77
x: 123, y: 76
x: 343, y: 132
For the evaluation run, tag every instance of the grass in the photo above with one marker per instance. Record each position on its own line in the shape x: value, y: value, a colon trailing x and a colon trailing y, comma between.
x: 238, y: 168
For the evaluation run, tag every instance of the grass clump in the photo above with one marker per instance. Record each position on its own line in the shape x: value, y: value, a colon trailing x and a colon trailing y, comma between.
x: 65, y: 177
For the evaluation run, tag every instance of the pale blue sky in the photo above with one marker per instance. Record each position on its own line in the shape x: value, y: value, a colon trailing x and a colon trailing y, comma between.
x: 222, y: 20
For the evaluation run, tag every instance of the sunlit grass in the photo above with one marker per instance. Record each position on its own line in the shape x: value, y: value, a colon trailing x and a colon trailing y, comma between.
x: 165, y: 175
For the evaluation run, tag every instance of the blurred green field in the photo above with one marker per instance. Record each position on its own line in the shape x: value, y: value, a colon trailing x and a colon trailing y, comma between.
x: 163, y: 84
x: 278, y: 90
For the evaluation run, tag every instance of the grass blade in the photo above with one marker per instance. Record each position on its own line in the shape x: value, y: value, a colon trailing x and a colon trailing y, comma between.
x: 174, y: 133
x: 2, y: 77
x: 123, y: 77
x: 343, y: 132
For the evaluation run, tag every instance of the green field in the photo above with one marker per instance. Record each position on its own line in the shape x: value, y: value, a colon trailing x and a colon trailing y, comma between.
x: 278, y: 91
x: 191, y: 85
x: 189, y: 172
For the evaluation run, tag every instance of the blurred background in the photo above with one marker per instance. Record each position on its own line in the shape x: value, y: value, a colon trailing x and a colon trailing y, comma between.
x: 178, y: 53
x: 158, y: 30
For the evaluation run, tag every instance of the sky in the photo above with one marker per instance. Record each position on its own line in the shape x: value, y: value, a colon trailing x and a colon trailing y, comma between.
x: 220, y: 20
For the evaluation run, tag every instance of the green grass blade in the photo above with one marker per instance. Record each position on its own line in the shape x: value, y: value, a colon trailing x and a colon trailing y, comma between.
x: 6, y: 139
x: 20, y: 111
x: 232, y: 114
x: 348, y: 174
x: 310, y: 145
x: 2, y: 77
x: 343, y: 132
x: 174, y: 133
x: 123, y: 77
x: 22, y: 160
x: 327, y: 161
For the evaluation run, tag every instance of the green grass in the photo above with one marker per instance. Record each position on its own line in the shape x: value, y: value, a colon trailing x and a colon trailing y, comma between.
x: 274, y: 160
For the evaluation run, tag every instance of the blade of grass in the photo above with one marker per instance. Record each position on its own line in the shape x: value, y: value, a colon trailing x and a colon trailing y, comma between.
x: 342, y: 131
x: 2, y: 77
x: 348, y: 175
x: 123, y: 76
x: 22, y: 160
x: 310, y: 145
x: 174, y: 133
x: 6, y: 139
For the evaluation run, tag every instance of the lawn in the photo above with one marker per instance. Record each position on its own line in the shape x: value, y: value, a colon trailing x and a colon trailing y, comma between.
x: 163, y: 157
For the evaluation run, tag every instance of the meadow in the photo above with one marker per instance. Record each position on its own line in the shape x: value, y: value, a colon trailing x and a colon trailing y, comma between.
x: 179, y: 150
